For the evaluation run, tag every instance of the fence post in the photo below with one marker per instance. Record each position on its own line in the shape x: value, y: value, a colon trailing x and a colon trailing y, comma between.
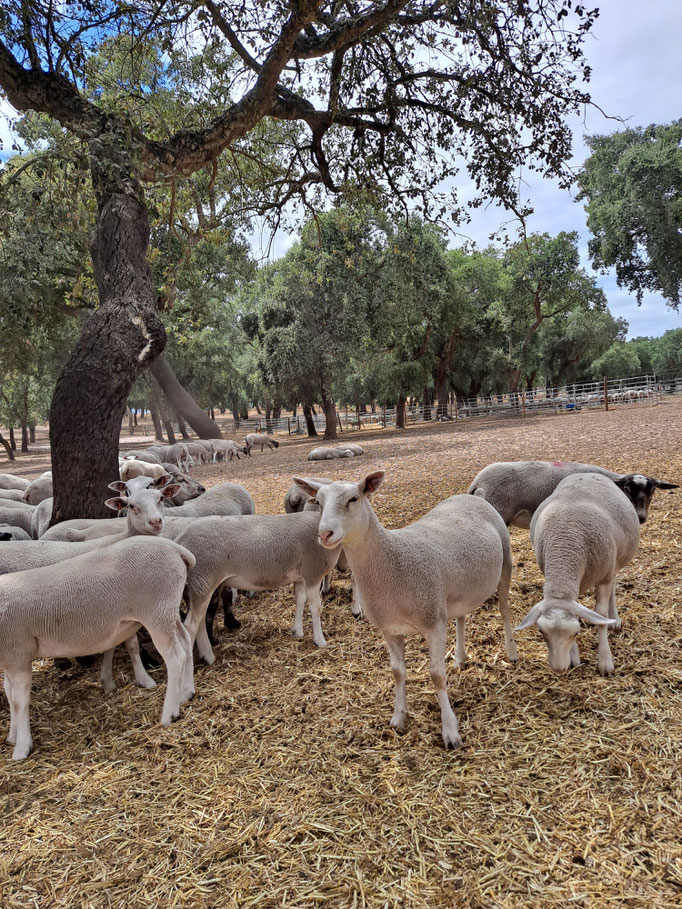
x: 383, y: 414
x: 606, y: 393
x: 288, y: 425
x: 338, y: 417
x: 523, y: 402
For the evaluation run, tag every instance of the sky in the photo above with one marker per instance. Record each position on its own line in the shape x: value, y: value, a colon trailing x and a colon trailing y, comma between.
x: 635, y: 51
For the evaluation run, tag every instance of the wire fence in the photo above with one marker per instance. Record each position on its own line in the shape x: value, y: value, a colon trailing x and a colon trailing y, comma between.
x: 605, y: 394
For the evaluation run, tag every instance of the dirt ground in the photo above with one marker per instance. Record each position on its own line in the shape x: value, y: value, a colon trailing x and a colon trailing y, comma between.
x: 282, y: 783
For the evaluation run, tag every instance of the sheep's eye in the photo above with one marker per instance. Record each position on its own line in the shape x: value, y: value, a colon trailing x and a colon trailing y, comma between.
x: 354, y: 499
x: 134, y: 509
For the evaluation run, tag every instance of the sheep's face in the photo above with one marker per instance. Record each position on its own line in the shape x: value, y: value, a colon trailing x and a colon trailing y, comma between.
x: 345, y: 508
x: 640, y: 489
x: 560, y: 630
x: 145, y: 508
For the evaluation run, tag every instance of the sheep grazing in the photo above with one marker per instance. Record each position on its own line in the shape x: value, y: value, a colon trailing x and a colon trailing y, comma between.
x: 583, y: 535
x: 10, y: 481
x: 101, y: 598
x: 228, y: 449
x: 413, y: 580
x: 255, y: 552
x: 259, y: 438
x: 516, y: 488
x: 199, y: 453
x: 39, y: 489
x: 177, y: 454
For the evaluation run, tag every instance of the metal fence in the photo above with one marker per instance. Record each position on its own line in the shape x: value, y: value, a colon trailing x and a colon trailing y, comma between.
x: 605, y: 394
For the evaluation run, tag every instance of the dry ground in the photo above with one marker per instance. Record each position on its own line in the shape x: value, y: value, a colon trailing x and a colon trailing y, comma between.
x: 282, y: 783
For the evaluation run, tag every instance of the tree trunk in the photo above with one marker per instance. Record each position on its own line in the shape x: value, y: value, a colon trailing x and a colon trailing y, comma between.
x: 234, y: 407
x: 258, y: 410
x: 12, y: 440
x: 24, y: 420
x: 135, y: 415
x: 442, y: 394
x: 131, y: 424
x: 118, y: 340
x: 156, y: 419
x: 400, y: 413
x: 8, y: 447
x: 330, y: 430
x: 309, y: 421
x: 32, y: 432
x: 182, y: 428
x: 182, y: 402
x: 170, y: 432
x: 426, y: 397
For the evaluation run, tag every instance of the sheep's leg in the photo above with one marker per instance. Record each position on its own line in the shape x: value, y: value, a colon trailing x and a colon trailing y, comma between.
x: 142, y: 677
x: 187, y: 690
x: 106, y: 676
x: 437, y: 641
x: 196, y: 625
x: 20, y: 696
x: 613, y: 609
x: 503, y: 600
x: 169, y: 646
x: 604, y: 658
x: 315, y: 606
x: 574, y: 656
x: 12, y: 734
x: 326, y: 582
x: 460, y: 646
x: 297, y: 627
x: 396, y: 653
x: 355, y: 606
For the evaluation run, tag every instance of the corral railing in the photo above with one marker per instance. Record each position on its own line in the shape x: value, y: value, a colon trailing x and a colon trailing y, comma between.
x: 602, y: 394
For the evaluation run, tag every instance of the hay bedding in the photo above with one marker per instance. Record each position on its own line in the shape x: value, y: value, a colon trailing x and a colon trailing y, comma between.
x: 282, y: 783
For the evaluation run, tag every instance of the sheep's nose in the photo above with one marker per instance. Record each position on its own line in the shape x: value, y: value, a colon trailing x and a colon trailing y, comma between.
x: 202, y: 489
x: 326, y: 535
x: 157, y: 524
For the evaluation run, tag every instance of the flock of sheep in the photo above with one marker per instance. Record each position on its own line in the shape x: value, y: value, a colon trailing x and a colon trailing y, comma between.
x: 85, y: 586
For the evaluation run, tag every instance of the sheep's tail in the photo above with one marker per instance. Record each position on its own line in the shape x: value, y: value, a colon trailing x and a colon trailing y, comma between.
x: 187, y: 557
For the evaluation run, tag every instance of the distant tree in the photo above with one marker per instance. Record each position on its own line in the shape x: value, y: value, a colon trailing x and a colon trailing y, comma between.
x: 632, y: 186
x: 618, y: 362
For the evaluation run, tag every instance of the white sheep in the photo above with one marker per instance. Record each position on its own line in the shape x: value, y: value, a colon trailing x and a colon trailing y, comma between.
x: 89, y: 604
x: 8, y: 532
x: 134, y: 468
x: 516, y: 488
x: 16, y: 495
x: 413, y: 580
x: 39, y: 489
x: 583, y: 535
x: 324, y: 453
x: 10, y: 481
x: 259, y: 438
x: 18, y: 514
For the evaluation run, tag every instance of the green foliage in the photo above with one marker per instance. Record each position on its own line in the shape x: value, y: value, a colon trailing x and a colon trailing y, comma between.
x: 632, y: 184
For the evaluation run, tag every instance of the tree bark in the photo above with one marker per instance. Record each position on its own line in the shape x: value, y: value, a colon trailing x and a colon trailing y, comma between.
x: 442, y: 394
x: 181, y: 426
x: 309, y: 421
x: 12, y: 440
x: 426, y: 397
x: 118, y: 340
x: 8, y: 447
x: 156, y: 419
x: 400, y: 413
x: 24, y: 420
x: 32, y: 432
x: 330, y: 429
x: 182, y: 402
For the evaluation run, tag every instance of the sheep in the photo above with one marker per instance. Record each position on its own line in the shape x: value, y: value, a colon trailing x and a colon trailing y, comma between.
x: 10, y: 481
x: 8, y: 532
x: 41, y: 517
x: 444, y: 565
x: 18, y: 514
x: 328, y: 454
x: 142, y: 454
x: 228, y: 449
x: 516, y: 488
x: 259, y: 438
x: 356, y: 449
x: 199, y: 453
x: 130, y: 469
x: 16, y: 495
x: 583, y: 535
x: 179, y: 455
x: 141, y: 583
x: 189, y: 487
x: 39, y: 489
x: 255, y: 552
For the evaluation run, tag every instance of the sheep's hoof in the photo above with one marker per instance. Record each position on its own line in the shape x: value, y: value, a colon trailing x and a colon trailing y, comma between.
x: 320, y: 642
x: 20, y: 753
x: 146, y: 683
x: 108, y: 687
x: 618, y: 625
x: 606, y: 669
x: 399, y: 721
x: 207, y: 658
x: 297, y: 632
x: 356, y: 611
x: 460, y: 664
x: 452, y: 740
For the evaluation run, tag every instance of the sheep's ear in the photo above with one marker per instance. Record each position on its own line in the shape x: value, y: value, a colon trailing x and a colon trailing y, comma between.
x: 310, y: 488
x: 117, y: 486
x: 531, y: 616
x: 118, y: 503
x: 589, y: 615
x: 663, y: 484
x: 161, y: 481
x: 371, y: 483
x: 172, y: 489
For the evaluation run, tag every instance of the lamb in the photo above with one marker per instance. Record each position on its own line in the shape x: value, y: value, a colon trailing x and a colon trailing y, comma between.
x: 18, y: 514
x: 443, y: 566
x: 583, y: 535
x: 179, y: 455
x: 142, y: 454
x: 10, y: 481
x: 328, y: 454
x: 143, y: 580
x: 199, y: 452
x: 7, y: 532
x: 516, y: 488
x: 255, y: 552
x: 259, y: 438
x: 228, y: 449
x: 39, y: 489
x: 133, y: 468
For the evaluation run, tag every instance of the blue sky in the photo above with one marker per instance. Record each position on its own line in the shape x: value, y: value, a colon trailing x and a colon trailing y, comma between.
x: 635, y: 51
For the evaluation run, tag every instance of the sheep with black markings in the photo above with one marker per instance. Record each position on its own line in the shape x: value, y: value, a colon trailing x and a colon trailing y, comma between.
x: 583, y: 535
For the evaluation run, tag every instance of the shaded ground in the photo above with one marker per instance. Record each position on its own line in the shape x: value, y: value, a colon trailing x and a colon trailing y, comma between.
x: 282, y: 783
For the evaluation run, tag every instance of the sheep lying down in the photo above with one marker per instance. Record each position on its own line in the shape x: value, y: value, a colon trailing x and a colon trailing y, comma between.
x: 325, y: 453
x: 89, y: 604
